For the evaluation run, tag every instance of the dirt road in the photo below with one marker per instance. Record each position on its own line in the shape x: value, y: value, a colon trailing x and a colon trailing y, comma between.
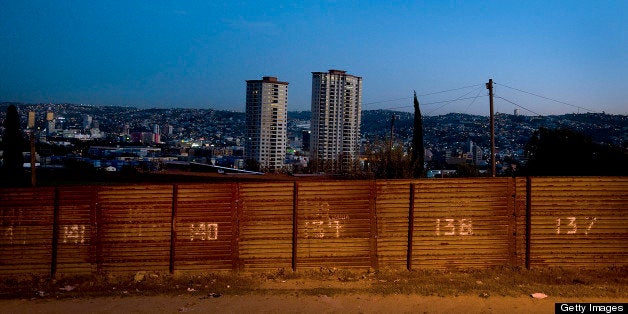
x: 357, y: 303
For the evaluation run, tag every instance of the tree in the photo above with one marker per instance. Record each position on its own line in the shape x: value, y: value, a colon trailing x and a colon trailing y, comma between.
x: 386, y: 161
x: 563, y: 152
x: 418, y: 151
x: 13, y: 142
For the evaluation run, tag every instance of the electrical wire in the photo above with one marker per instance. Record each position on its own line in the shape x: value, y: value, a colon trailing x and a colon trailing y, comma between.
x: 420, y: 95
x: 457, y: 99
x: 473, y: 101
x: 450, y: 90
x: 547, y: 98
x: 520, y: 106
x: 431, y: 103
x: 383, y: 101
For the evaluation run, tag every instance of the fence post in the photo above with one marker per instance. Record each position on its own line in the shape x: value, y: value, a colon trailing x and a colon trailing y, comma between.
x: 528, y: 219
x: 235, y: 225
x: 97, y: 232
x: 55, y: 234
x: 512, y: 223
x: 373, y: 218
x: 410, y: 227
x: 173, y: 226
x: 295, y: 224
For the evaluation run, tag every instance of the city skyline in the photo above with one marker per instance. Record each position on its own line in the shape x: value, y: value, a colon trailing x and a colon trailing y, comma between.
x: 199, y: 55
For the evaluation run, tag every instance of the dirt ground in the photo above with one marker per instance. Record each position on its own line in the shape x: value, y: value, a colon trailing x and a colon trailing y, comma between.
x: 352, y: 303
x: 501, y: 290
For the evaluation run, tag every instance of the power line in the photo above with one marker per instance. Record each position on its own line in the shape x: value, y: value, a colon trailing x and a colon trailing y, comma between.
x: 450, y: 90
x: 473, y: 101
x: 427, y: 94
x: 432, y: 103
x: 457, y: 99
x: 383, y: 101
x: 547, y: 98
x: 520, y: 106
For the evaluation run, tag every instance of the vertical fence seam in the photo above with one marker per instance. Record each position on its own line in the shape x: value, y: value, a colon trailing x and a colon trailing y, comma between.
x: 55, y: 234
x: 235, y: 226
x: 512, y: 222
x: 373, y: 218
x: 295, y: 224
x: 528, y: 219
x: 410, y: 227
x: 173, y: 226
x: 99, y: 230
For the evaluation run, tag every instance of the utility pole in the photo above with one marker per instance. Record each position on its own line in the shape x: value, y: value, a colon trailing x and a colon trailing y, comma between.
x: 489, y: 86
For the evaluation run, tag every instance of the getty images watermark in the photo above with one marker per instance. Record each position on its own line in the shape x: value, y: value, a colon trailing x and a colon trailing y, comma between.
x: 585, y: 308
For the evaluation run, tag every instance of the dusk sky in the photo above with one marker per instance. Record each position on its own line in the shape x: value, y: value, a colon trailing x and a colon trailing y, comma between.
x: 198, y: 54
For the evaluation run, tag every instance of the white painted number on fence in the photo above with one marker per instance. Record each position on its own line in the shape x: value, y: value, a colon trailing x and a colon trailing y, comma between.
x: 447, y: 227
x: 74, y: 234
x: 323, y: 224
x: 593, y: 220
x: 11, y: 222
x: 572, y: 225
x: 9, y: 234
x: 204, y: 231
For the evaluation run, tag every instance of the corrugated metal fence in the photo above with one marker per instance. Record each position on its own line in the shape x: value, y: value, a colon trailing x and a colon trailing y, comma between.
x: 413, y: 224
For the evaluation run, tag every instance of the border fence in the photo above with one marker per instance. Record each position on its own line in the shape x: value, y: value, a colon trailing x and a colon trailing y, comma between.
x: 399, y: 224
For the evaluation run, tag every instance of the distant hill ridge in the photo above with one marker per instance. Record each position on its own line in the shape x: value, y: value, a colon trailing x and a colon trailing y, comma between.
x: 447, y: 129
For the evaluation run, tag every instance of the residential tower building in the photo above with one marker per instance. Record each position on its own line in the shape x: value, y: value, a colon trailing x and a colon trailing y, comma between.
x: 336, y: 115
x: 266, y: 123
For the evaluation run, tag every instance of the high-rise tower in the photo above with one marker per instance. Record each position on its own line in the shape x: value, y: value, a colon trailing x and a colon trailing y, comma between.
x: 50, y: 120
x: 336, y: 114
x: 266, y: 122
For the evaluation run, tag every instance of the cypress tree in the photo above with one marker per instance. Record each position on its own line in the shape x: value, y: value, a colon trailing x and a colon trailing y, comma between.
x: 418, y: 151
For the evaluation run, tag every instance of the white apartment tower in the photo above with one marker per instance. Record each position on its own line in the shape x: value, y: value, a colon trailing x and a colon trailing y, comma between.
x: 266, y: 122
x: 336, y: 115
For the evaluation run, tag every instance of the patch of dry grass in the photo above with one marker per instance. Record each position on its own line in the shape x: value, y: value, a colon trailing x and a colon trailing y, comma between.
x: 505, y: 281
x: 502, y: 281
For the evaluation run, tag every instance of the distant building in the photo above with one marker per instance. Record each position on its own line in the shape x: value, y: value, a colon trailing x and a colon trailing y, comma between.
x: 336, y: 114
x: 156, y: 133
x: 142, y: 137
x: 266, y: 122
x: 50, y: 121
x: 305, y: 140
x: 87, y: 122
x: 475, y: 153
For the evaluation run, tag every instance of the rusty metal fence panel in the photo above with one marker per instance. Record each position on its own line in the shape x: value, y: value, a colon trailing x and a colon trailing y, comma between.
x: 463, y: 223
x: 204, y: 227
x: 334, y: 224
x: 26, y: 223
x: 265, y: 221
x: 135, y: 228
x: 76, y: 230
x: 520, y: 217
x: 579, y: 222
x: 451, y: 223
x: 393, y: 208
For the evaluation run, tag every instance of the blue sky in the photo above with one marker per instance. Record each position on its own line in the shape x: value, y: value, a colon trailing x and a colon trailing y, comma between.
x: 200, y: 53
